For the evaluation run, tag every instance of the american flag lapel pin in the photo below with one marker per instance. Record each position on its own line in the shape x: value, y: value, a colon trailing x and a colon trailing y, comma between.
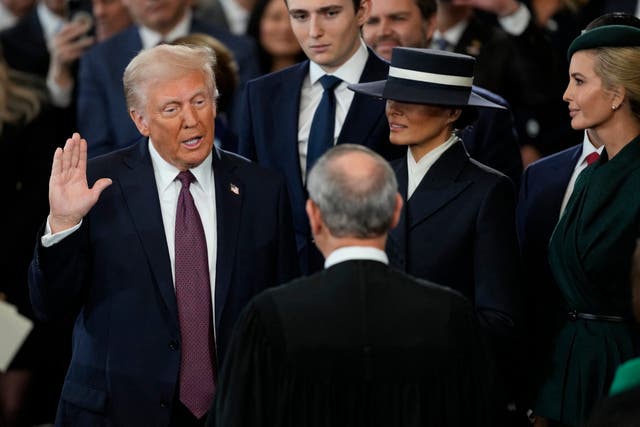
x: 234, y: 189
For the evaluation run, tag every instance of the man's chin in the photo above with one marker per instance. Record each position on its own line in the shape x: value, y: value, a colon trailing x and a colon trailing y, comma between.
x: 385, y: 51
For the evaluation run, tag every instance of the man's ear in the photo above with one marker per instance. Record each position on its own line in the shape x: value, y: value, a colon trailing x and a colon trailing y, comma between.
x: 362, y: 14
x: 396, y: 211
x: 429, y: 27
x: 140, y: 122
x: 315, y: 218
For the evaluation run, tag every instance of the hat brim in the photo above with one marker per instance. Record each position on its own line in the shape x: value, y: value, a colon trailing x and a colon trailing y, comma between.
x: 423, y: 94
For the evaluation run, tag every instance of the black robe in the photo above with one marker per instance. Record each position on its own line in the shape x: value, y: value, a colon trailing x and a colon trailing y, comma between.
x: 358, y: 344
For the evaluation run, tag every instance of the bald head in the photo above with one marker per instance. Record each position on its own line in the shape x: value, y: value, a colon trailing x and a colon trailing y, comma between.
x: 355, y: 190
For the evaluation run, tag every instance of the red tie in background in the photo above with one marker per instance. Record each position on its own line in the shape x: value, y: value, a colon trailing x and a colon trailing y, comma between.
x: 592, y: 157
x: 193, y: 293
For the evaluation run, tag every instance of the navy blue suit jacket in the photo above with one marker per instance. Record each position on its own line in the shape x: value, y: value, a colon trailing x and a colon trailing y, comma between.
x: 541, y: 192
x: 269, y: 136
x: 103, y: 117
x: 457, y: 230
x: 115, y: 272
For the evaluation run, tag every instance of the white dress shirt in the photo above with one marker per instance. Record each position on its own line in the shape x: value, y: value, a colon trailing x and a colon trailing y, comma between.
x: 587, y: 148
x: 311, y: 94
x: 517, y: 22
x: 151, y: 38
x: 417, y: 170
x: 452, y: 35
x: 349, y: 253
x: 237, y: 16
x: 7, y: 18
x: 51, y: 24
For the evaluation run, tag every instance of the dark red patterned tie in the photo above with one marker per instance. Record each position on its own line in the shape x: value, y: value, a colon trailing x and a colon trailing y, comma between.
x: 193, y: 292
x: 592, y: 157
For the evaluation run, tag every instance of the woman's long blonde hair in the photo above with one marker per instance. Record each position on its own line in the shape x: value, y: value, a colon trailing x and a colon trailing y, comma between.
x: 21, y: 96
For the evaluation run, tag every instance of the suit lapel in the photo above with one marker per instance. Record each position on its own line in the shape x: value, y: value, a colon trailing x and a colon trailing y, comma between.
x: 560, y: 177
x: 138, y: 187
x: 397, y: 241
x: 365, y: 112
x: 439, y: 186
x: 286, y: 103
x: 229, y: 195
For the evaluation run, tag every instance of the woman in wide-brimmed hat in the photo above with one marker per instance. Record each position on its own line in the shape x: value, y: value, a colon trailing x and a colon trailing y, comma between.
x: 591, y: 247
x: 457, y: 227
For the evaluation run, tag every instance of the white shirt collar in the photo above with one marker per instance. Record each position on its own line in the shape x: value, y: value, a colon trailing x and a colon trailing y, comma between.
x: 151, y: 38
x: 587, y: 148
x: 51, y: 23
x: 417, y: 170
x: 349, y: 253
x: 7, y: 18
x: 237, y: 16
x: 349, y: 72
x: 453, y: 34
x: 166, y: 173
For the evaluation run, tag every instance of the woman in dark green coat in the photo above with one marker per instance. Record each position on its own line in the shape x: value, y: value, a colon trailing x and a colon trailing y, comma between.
x: 591, y: 247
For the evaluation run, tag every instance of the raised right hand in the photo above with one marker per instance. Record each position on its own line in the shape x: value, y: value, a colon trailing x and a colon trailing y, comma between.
x: 70, y: 197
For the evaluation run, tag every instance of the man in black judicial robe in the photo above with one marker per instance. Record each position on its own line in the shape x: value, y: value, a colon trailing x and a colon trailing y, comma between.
x: 359, y: 343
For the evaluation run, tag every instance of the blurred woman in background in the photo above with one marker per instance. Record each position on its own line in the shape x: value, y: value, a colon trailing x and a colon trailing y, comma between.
x: 269, y: 25
x: 30, y: 387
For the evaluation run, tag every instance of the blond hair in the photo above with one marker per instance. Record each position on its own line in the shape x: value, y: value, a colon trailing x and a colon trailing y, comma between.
x: 162, y: 63
x: 620, y: 66
x: 21, y: 96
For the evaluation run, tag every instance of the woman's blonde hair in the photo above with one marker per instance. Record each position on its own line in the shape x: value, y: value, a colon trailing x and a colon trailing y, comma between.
x: 21, y: 96
x: 620, y: 66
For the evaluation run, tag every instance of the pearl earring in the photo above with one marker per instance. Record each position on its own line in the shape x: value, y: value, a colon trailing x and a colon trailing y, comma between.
x: 614, y: 107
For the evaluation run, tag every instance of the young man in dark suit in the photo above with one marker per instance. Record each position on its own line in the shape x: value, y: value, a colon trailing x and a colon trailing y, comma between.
x: 102, y: 113
x: 279, y: 109
x: 358, y: 344
x: 123, y: 254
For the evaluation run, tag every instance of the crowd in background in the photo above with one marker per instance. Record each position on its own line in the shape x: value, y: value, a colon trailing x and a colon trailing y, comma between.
x: 61, y: 68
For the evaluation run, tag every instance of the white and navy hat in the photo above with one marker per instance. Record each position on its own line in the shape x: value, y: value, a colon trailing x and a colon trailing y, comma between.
x: 427, y: 76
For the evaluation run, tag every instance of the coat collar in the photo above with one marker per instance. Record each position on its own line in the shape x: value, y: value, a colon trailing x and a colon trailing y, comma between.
x: 438, y: 187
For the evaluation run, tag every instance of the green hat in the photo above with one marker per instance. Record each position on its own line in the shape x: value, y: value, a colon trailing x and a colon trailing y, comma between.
x: 605, y: 36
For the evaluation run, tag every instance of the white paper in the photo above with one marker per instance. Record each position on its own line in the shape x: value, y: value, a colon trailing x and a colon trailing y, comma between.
x: 14, y: 329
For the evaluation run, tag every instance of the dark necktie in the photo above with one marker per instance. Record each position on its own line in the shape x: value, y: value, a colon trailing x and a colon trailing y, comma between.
x: 592, y: 157
x: 193, y: 293
x: 442, y: 43
x: 323, y: 124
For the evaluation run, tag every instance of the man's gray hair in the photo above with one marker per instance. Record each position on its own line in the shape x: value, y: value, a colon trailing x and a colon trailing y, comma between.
x: 350, y: 205
x: 165, y: 62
